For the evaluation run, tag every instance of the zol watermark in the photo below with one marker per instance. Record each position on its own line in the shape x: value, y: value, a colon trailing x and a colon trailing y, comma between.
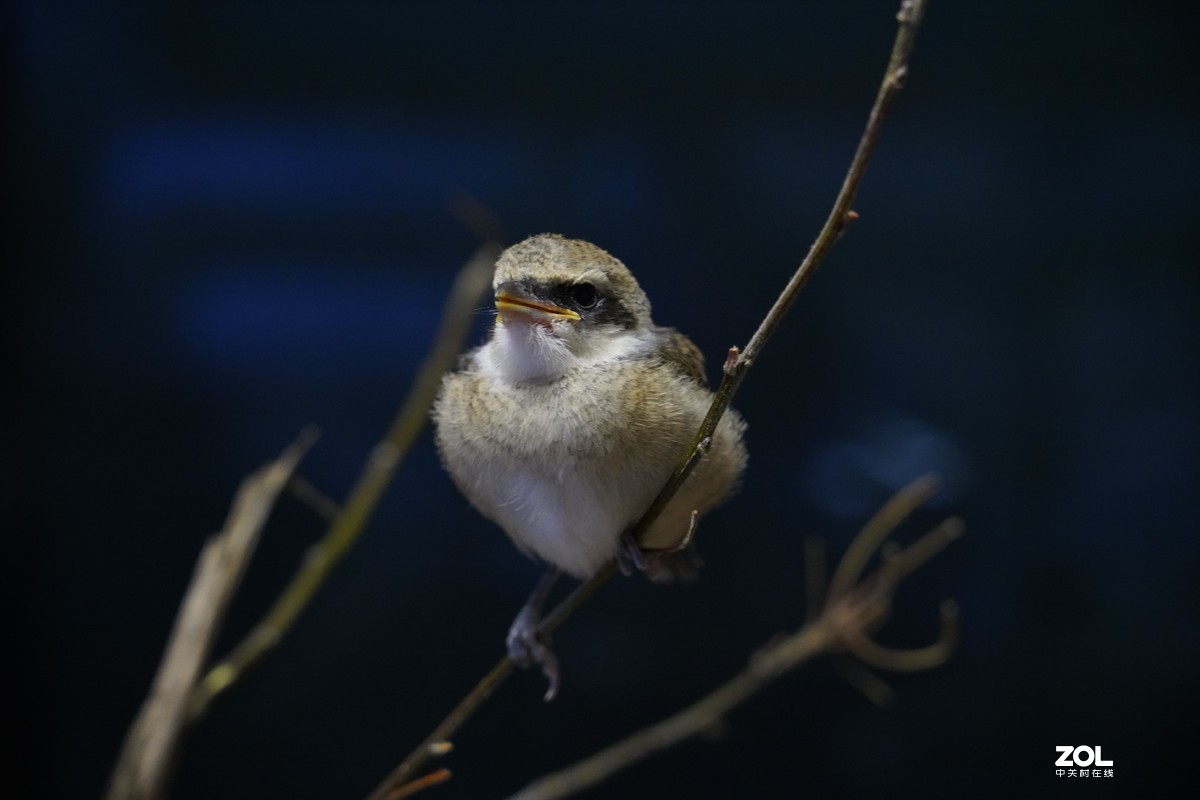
x: 1082, y: 762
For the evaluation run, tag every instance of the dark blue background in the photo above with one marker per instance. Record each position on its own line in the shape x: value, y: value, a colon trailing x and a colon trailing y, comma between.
x: 232, y: 221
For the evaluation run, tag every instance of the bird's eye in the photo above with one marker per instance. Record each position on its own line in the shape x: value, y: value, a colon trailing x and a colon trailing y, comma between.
x: 584, y: 295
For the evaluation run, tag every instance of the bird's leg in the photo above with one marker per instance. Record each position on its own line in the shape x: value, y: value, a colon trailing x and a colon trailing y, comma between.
x: 525, y: 646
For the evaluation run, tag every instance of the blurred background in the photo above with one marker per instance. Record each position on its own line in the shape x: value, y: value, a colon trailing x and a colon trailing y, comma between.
x: 229, y: 221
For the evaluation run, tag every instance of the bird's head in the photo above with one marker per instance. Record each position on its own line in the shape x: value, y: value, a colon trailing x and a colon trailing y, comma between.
x: 564, y: 303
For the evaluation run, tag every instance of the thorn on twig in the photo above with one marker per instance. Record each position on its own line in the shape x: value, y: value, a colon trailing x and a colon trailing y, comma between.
x: 731, y: 360
x: 844, y: 223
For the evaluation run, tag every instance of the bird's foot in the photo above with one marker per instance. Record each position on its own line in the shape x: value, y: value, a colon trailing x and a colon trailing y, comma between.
x: 660, y: 566
x: 527, y: 647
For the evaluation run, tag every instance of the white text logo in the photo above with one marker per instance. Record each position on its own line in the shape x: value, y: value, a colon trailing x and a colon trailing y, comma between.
x: 1079, y: 762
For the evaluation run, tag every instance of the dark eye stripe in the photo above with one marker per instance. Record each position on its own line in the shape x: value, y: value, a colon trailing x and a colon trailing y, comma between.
x: 607, y: 310
x: 611, y: 312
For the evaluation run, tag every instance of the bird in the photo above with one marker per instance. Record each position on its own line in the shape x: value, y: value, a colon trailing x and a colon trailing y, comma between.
x: 564, y: 425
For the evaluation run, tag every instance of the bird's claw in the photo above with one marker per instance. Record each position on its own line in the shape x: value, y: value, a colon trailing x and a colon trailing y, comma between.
x: 660, y: 566
x: 630, y: 556
x: 526, y: 648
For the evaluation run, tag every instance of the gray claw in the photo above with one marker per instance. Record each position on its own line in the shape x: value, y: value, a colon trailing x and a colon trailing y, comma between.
x: 526, y: 648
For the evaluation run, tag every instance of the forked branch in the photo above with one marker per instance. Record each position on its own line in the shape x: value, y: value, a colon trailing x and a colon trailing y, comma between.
x: 844, y: 623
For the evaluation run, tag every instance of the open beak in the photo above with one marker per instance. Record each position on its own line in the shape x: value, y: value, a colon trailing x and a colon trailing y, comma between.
x: 534, y: 312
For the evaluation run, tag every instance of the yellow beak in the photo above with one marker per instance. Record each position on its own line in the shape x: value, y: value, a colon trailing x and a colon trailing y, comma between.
x: 524, y: 309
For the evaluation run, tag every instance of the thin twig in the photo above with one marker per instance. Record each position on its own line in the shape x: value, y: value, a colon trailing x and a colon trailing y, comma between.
x: 349, y: 522
x: 736, y: 368
x: 843, y: 624
x: 420, y: 784
x: 429, y: 748
x: 841, y: 215
x: 505, y: 667
x: 152, y: 744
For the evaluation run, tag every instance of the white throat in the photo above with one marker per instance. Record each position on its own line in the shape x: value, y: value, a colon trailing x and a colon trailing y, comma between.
x: 522, y: 353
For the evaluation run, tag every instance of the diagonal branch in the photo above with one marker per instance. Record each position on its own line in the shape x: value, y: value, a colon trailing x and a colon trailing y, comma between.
x: 840, y: 216
x: 349, y: 521
x: 736, y: 367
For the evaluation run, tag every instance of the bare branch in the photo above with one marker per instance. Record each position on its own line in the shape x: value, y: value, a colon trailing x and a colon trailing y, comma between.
x: 151, y: 746
x: 350, y: 520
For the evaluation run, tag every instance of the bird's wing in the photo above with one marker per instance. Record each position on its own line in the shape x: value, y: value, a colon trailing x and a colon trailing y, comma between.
x: 680, y: 352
